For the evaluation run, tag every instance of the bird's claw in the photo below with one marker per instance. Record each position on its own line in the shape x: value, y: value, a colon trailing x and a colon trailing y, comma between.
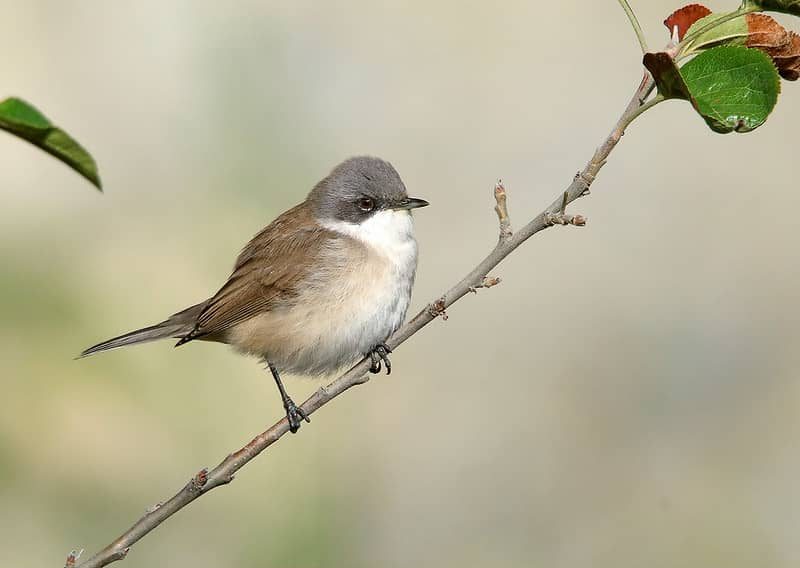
x: 295, y: 415
x: 380, y: 354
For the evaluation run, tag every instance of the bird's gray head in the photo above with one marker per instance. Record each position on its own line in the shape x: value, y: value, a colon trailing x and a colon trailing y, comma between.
x: 358, y: 189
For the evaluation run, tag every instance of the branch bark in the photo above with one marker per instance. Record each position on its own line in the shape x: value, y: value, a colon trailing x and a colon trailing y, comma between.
x: 204, y: 481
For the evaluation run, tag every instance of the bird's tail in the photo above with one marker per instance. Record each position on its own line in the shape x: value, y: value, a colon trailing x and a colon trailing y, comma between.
x: 177, y: 325
x: 151, y: 333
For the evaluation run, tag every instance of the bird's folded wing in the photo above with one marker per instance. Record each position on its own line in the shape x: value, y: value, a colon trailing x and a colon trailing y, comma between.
x: 267, y: 273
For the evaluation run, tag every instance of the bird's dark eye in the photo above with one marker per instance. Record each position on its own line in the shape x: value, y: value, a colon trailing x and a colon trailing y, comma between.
x: 366, y: 204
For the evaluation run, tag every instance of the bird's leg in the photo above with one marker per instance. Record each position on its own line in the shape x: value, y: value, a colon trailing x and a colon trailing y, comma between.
x: 380, y: 353
x: 294, y: 414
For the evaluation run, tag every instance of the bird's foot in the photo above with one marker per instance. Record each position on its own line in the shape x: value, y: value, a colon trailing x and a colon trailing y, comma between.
x: 294, y: 414
x: 380, y: 353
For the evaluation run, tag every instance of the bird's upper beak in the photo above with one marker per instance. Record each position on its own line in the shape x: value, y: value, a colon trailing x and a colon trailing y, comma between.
x: 411, y: 203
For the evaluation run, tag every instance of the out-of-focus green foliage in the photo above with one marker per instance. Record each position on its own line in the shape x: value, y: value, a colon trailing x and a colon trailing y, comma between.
x: 24, y: 120
x: 787, y: 6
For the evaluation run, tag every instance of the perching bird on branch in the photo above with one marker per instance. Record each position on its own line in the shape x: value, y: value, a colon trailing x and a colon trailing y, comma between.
x: 323, y: 285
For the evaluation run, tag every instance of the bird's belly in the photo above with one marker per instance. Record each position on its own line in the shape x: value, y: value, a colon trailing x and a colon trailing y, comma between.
x: 331, y: 326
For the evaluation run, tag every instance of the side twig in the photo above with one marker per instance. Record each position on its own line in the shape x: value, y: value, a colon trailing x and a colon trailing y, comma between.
x: 204, y: 481
x: 637, y: 28
x: 72, y: 558
x: 502, y: 211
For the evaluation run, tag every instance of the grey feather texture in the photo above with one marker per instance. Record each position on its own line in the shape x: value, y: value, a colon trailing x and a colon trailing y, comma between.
x: 176, y: 325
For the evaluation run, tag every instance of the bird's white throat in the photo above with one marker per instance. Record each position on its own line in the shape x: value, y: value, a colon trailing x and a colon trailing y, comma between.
x: 388, y: 232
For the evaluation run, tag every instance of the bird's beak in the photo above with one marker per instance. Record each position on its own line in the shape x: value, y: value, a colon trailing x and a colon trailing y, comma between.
x: 411, y: 203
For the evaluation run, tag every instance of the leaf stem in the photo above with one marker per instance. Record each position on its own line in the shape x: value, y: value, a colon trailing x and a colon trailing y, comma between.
x: 635, y: 23
x: 659, y: 98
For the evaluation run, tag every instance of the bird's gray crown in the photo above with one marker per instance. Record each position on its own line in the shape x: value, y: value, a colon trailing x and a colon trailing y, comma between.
x: 356, y: 189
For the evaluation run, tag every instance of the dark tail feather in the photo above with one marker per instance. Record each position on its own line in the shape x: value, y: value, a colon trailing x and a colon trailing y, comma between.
x: 177, y: 325
x: 159, y: 331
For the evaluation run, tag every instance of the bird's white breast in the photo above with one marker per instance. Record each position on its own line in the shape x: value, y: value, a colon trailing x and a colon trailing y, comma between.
x: 385, y: 298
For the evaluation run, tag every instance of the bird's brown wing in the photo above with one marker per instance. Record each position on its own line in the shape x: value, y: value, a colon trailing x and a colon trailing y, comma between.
x: 267, y: 272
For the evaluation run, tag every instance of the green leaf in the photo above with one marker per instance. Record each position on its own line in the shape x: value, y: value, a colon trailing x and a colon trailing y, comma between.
x: 733, y: 88
x: 730, y: 32
x: 23, y: 120
x: 786, y: 6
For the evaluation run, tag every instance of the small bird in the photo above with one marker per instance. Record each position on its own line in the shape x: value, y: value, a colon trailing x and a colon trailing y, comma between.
x: 322, y: 286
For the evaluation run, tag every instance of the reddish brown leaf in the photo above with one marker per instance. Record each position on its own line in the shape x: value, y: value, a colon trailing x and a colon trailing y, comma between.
x: 685, y: 17
x: 782, y: 46
x: 787, y: 57
x: 667, y: 76
x: 764, y: 33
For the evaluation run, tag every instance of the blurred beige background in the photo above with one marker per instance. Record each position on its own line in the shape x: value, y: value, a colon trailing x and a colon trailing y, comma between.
x: 627, y: 397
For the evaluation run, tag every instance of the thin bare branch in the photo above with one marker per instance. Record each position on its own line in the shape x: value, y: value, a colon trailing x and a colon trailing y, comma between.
x: 204, y: 481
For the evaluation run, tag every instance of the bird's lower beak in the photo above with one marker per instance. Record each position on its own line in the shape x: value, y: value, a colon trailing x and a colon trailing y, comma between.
x: 411, y: 203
